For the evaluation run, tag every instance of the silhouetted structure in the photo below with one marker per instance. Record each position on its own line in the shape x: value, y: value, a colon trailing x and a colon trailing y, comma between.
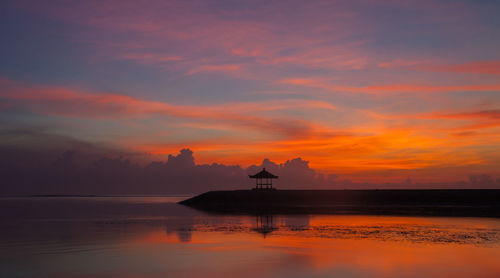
x: 263, y: 179
x: 438, y: 202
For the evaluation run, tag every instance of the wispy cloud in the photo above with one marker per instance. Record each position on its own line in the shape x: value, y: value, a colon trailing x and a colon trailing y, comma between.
x: 480, y: 67
x: 216, y: 68
x: 475, y: 67
x: 493, y: 114
x: 389, y: 88
x: 241, y: 115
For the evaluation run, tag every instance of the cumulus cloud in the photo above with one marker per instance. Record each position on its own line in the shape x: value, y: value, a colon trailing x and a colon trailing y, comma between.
x: 90, y: 170
x: 70, y: 166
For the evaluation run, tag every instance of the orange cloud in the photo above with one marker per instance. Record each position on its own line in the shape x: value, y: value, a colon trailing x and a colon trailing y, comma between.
x: 63, y: 101
x: 391, y: 88
x: 401, y: 63
x: 476, y: 67
x: 481, y: 67
x: 216, y: 68
x: 366, y: 154
x: 255, y: 130
x: 486, y: 114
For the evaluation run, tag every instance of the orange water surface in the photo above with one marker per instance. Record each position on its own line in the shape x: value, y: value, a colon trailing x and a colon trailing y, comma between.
x: 148, y: 238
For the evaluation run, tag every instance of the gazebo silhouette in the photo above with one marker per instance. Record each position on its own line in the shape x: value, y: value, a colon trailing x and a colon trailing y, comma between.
x: 263, y: 179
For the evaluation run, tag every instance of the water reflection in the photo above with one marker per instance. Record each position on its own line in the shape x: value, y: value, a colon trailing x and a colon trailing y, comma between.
x: 182, y: 227
x: 264, y: 224
x: 267, y: 223
x: 297, y: 222
x: 86, y: 238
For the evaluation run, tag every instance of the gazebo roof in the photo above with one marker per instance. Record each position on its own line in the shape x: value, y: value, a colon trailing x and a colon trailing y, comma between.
x: 263, y: 175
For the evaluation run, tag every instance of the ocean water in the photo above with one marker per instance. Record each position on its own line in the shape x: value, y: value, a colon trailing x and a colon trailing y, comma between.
x: 155, y: 237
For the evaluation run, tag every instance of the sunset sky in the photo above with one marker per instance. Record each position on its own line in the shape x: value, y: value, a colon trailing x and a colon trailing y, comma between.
x: 369, y: 90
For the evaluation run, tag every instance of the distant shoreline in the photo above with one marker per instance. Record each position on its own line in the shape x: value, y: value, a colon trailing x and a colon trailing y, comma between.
x: 86, y: 196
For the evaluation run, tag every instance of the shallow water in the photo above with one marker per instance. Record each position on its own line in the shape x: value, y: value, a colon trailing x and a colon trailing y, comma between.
x: 154, y: 237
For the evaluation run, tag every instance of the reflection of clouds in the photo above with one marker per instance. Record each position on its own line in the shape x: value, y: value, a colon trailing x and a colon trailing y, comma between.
x: 301, y: 227
x: 184, y: 235
x: 181, y: 226
x: 296, y: 221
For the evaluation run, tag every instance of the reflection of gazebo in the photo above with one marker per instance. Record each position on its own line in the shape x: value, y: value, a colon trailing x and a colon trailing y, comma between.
x: 263, y: 179
x: 264, y: 225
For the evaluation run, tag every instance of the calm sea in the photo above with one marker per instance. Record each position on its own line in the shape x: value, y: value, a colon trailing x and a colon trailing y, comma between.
x: 155, y: 237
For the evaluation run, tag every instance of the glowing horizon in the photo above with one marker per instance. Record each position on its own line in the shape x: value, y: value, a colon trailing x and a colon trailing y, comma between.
x: 368, y: 91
